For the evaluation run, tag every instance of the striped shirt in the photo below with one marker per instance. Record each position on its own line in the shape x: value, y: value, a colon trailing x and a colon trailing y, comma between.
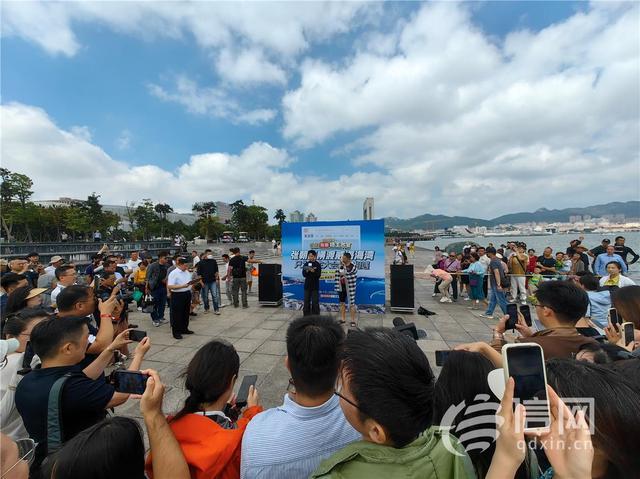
x: 290, y: 441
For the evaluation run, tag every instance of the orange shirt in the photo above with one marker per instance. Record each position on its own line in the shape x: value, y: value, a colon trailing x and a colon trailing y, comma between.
x: 210, y: 450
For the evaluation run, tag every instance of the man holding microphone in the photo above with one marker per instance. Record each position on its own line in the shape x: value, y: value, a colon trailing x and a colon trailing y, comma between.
x: 312, y: 270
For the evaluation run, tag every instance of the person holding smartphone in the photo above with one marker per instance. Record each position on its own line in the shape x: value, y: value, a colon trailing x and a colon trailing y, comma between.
x: 312, y: 270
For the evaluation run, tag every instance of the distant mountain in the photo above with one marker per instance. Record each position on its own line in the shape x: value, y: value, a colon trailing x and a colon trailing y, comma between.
x: 631, y: 209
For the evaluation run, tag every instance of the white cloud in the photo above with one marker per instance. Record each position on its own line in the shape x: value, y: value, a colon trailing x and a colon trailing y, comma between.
x: 81, y: 132
x: 531, y: 176
x: 123, y: 142
x: 212, y: 102
x: 248, y: 67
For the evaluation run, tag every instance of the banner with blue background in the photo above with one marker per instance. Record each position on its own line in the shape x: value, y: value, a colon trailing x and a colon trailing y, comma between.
x: 363, y: 239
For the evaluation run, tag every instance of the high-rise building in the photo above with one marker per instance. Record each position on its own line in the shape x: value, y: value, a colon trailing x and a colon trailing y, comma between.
x: 311, y: 218
x: 367, y: 209
x: 296, y: 217
x: 223, y: 212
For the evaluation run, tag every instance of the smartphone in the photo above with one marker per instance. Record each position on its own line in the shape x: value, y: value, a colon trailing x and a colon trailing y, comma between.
x: 512, y: 311
x: 524, y: 362
x: 526, y: 313
x: 441, y: 357
x: 137, y: 335
x: 243, y: 392
x: 628, y: 335
x: 130, y: 382
x: 614, y: 318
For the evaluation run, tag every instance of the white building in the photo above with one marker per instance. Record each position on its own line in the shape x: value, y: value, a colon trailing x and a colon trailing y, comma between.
x: 311, y: 218
x: 367, y: 209
x: 296, y: 217
x: 223, y: 212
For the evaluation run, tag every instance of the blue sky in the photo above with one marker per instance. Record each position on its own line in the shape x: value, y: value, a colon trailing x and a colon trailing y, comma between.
x: 101, y: 86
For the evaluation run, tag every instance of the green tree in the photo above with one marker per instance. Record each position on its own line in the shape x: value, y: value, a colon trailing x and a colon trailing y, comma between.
x: 145, y: 217
x: 206, y: 218
x: 163, y: 209
x: 280, y: 217
x: 15, y: 191
x: 255, y: 221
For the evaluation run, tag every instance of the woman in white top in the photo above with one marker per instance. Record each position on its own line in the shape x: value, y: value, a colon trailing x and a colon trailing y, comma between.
x: 17, y: 326
x: 614, y: 278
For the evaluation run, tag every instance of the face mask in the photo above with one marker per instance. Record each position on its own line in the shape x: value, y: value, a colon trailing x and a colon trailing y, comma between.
x: 210, y: 256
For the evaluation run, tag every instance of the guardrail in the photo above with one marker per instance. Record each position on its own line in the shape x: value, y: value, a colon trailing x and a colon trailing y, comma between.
x: 80, y: 253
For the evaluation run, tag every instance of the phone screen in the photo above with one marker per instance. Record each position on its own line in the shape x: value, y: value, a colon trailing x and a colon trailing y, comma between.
x: 512, y: 311
x: 130, y: 382
x: 243, y: 392
x: 526, y: 313
x: 627, y: 333
x: 441, y: 357
x: 526, y: 367
x: 137, y: 335
x: 613, y: 316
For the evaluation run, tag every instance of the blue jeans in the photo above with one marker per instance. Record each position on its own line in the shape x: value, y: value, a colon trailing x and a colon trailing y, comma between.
x: 213, y: 289
x: 498, y: 297
x: 159, y: 296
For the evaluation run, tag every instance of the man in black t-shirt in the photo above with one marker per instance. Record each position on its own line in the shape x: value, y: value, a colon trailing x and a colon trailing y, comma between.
x: 312, y: 270
x: 622, y: 251
x: 238, y: 269
x: 547, y: 263
x: 61, y: 344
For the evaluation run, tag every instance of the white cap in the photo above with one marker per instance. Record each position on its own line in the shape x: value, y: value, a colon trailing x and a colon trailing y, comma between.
x: 8, y: 346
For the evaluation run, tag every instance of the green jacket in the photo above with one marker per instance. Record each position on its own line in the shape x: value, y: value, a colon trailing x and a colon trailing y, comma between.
x: 424, y: 458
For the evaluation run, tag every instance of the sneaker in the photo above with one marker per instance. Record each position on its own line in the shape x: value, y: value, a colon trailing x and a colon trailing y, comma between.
x: 188, y: 331
x: 163, y: 321
x: 139, y: 308
x: 523, y: 302
x: 217, y: 313
x: 467, y: 298
x: 444, y: 299
x: 434, y: 295
x: 486, y: 316
x: 224, y: 305
x: 156, y: 323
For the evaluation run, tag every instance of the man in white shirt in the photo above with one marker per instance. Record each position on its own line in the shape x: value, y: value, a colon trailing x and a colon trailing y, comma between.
x: 133, y: 262
x: 226, y: 279
x: 195, y: 258
x: 179, y: 285
x: 55, y: 263
x: 66, y: 276
x: 290, y: 441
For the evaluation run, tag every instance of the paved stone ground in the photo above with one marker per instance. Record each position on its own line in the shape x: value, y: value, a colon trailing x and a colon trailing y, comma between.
x: 258, y: 334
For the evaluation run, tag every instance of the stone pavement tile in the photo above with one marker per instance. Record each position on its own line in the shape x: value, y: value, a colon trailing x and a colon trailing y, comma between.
x: 260, y: 363
x: 457, y: 336
x: 278, y: 348
x: 242, y: 355
x: 172, y: 354
x: 247, y: 345
x: 428, y: 345
x: 235, y: 332
x: 195, y: 341
x: 155, y: 348
x: 258, y: 334
x: 279, y: 335
x: 273, y: 386
x: 486, y: 337
x: 250, y: 323
x: 172, y: 375
x: 160, y: 336
x: 273, y: 325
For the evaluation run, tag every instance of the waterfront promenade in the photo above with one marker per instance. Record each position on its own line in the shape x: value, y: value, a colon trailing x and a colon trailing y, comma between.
x: 258, y: 334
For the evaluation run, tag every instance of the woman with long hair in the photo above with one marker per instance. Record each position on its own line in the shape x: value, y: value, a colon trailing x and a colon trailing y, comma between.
x: 475, y: 273
x: 206, y: 430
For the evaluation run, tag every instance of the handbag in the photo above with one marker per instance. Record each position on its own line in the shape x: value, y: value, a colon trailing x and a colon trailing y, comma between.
x: 148, y: 304
x: 473, y: 280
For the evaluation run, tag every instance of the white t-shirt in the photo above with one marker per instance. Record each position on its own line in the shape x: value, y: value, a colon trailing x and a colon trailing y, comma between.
x: 10, y: 420
x: 50, y: 270
x: 131, y: 264
x: 196, y: 260
x: 224, y: 270
x: 56, y: 292
x: 177, y: 277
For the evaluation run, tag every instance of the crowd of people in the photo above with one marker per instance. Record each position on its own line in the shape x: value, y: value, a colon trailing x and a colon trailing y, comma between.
x: 365, y: 404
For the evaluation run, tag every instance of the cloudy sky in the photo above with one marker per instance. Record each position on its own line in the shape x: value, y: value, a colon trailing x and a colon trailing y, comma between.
x: 474, y: 109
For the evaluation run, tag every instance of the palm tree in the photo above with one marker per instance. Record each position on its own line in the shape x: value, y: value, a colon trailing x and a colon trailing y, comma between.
x: 163, y: 209
x: 280, y: 216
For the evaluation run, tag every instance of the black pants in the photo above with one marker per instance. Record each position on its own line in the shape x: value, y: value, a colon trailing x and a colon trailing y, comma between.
x: 180, y: 307
x: 311, y: 302
x: 485, y: 285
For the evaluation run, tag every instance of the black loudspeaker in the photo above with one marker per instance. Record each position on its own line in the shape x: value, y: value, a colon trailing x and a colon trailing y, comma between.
x: 402, y: 292
x: 269, y: 284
